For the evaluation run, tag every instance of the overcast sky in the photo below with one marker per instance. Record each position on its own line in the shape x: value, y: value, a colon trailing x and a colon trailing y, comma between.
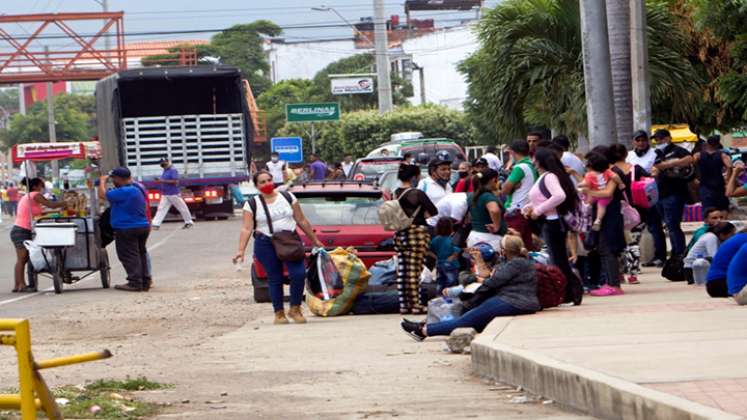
x: 179, y: 15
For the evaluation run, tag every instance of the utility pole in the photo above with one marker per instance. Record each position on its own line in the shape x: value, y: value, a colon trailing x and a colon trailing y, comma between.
x: 600, y: 106
x: 21, y: 100
x: 382, y: 58
x: 421, y: 78
x: 50, y: 120
x: 639, y: 66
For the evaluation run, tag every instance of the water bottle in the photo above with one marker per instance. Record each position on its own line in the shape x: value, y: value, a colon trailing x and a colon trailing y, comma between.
x: 700, y: 269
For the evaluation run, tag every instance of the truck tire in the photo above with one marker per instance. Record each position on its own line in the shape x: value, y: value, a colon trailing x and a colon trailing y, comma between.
x: 260, y: 288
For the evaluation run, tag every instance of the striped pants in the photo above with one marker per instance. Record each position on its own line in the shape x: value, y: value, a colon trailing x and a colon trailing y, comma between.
x: 411, y: 245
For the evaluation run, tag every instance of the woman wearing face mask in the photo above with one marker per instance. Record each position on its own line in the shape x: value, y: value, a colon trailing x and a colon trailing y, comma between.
x: 286, y: 215
x: 413, y: 242
x: 29, y: 206
x: 464, y: 170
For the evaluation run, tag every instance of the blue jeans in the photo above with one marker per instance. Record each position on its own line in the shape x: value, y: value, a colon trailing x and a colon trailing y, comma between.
x: 653, y: 224
x: 264, y: 251
x: 477, y: 318
x: 671, y: 209
x: 448, y: 275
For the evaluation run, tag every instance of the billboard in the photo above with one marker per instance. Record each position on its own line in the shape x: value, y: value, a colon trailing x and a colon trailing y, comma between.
x: 352, y: 85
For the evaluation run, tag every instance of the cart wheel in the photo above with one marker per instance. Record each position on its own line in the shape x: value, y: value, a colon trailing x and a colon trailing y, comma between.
x: 32, y: 276
x: 105, y: 270
x: 59, y: 272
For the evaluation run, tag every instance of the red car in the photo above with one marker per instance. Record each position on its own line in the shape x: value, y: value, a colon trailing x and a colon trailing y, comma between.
x: 343, y: 214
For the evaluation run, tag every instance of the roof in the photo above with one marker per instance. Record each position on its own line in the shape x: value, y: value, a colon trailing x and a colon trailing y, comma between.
x: 174, y: 72
x: 680, y: 132
x: 149, y: 48
x: 346, y: 187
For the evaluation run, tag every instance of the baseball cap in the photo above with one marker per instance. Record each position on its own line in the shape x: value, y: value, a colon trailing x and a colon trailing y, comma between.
x: 480, y: 161
x: 662, y: 133
x: 164, y: 159
x: 439, y: 160
x: 639, y: 134
x: 120, y: 173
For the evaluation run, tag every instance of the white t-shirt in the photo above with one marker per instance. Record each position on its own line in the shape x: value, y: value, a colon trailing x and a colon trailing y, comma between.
x: 435, y: 192
x: 276, y: 169
x: 646, y: 161
x: 347, y: 167
x: 572, y: 161
x: 453, y: 205
x: 706, y: 247
x: 281, y: 213
x: 494, y: 162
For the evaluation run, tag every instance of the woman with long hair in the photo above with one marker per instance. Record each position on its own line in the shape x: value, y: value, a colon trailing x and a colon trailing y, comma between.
x: 552, y: 197
x: 413, y: 242
x: 488, y: 225
x: 283, y: 210
x: 29, y: 207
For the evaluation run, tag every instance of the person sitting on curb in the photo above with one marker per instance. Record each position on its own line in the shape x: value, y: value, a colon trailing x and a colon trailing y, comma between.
x: 736, y: 276
x: 717, y: 274
x: 711, y: 217
x: 702, y: 253
x: 513, y: 286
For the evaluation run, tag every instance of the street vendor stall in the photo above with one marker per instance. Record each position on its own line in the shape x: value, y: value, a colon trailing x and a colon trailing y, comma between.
x: 67, y: 241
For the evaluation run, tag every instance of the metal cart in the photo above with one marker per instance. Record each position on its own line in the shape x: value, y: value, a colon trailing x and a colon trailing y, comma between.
x: 69, y: 244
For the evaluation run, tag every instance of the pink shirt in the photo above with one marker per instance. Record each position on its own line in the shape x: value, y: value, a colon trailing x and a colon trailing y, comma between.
x: 23, y: 216
x: 546, y: 206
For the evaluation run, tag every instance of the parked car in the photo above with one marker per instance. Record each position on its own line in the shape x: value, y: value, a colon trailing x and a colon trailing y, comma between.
x: 343, y: 214
x: 388, y: 181
x: 370, y: 169
x: 422, y: 149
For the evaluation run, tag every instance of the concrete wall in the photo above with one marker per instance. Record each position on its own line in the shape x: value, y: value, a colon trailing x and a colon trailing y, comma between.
x: 302, y: 60
x: 439, y: 54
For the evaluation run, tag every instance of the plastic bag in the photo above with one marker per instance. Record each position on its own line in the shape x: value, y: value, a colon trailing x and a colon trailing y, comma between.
x: 443, y: 309
x: 324, y: 281
x: 354, y: 277
x: 37, y: 256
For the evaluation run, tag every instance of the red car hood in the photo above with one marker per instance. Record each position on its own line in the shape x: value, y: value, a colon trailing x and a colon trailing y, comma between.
x: 365, y: 238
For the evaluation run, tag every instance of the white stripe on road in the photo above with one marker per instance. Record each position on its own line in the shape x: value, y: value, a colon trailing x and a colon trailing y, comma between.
x: 49, y: 289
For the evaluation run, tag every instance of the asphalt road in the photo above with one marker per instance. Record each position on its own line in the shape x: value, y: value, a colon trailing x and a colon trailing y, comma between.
x: 199, y: 330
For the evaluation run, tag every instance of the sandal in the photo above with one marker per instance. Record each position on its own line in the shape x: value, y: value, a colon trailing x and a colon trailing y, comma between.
x: 27, y: 289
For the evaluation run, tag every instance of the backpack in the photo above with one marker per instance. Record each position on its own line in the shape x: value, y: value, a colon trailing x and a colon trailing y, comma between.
x: 674, y: 269
x: 551, y: 284
x: 577, y: 220
x: 253, y: 205
x: 645, y: 191
x: 393, y: 216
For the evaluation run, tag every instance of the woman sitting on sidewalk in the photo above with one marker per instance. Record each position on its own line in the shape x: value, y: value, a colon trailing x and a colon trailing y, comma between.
x: 514, y: 288
x: 716, y: 280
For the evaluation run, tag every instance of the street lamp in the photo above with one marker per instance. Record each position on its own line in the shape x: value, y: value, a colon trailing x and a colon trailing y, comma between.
x: 324, y: 8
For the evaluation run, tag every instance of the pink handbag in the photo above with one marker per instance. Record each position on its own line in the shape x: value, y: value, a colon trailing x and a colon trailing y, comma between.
x: 645, y: 192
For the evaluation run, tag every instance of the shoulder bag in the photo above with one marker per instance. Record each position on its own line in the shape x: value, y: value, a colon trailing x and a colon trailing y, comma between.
x: 288, y: 245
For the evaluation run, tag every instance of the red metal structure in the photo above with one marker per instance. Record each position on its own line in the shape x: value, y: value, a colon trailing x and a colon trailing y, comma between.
x: 28, y: 62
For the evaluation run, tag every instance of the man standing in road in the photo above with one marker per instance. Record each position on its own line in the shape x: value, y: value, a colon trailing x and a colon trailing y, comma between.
x: 318, y: 168
x: 171, y: 195
x: 347, y: 165
x: 130, y: 224
x: 494, y: 162
x: 277, y: 168
x: 671, y: 165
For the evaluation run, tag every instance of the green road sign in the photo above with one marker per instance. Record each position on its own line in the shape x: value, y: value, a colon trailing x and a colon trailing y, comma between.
x: 327, y: 111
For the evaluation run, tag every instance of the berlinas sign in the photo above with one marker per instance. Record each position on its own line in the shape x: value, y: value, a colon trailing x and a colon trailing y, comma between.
x: 327, y: 111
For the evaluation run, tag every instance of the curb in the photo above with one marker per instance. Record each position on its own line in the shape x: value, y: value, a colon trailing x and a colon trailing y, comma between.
x: 589, y: 391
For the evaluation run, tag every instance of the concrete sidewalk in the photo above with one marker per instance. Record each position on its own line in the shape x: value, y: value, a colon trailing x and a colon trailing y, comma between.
x: 663, y: 350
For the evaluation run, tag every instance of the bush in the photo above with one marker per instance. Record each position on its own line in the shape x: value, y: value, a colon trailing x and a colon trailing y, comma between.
x: 359, y: 132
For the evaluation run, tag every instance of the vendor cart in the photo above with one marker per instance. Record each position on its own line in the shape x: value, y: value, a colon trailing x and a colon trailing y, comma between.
x: 65, y: 244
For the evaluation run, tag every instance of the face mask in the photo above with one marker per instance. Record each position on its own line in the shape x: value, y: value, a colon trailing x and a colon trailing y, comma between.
x: 267, y: 188
x: 463, y: 174
x: 442, y: 182
x: 274, y: 160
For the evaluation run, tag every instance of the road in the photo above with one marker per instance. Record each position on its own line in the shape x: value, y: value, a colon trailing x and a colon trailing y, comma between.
x: 199, y: 330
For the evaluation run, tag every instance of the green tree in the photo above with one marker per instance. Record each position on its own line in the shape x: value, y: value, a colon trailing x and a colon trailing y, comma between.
x: 274, y: 99
x: 361, y: 131
x: 73, y: 122
x: 528, y: 70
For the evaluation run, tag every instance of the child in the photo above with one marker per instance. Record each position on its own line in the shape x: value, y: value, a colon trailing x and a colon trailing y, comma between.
x: 596, y: 179
x: 447, y: 255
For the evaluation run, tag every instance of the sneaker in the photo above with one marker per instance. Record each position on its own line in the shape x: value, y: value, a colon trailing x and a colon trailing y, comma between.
x: 607, y: 291
x: 127, y: 287
x: 633, y: 280
x: 188, y: 226
x: 654, y: 263
x: 413, y: 329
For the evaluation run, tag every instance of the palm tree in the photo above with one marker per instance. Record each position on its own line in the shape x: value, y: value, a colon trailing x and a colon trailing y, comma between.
x: 618, y: 27
x: 528, y: 70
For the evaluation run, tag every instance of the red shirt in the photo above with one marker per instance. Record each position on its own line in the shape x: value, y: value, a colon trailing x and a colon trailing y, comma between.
x: 462, y: 186
x: 12, y: 194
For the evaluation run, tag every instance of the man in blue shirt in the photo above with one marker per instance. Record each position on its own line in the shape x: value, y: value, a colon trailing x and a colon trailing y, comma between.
x: 736, y: 276
x: 318, y: 168
x: 717, y: 274
x: 171, y: 195
x: 131, y: 228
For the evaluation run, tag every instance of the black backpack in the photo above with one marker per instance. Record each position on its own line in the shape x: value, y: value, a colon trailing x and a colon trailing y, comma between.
x: 674, y: 269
